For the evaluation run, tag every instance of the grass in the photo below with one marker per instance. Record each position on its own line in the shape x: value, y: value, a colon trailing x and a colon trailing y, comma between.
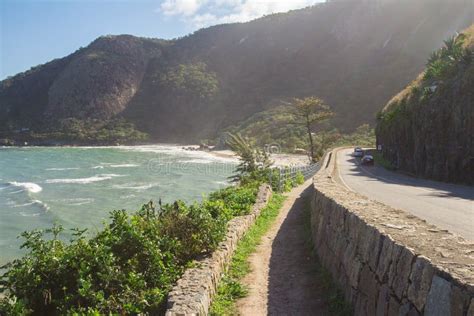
x: 381, y: 161
x: 230, y: 287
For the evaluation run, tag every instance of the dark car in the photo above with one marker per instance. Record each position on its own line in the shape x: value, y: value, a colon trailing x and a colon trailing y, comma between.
x: 367, y: 160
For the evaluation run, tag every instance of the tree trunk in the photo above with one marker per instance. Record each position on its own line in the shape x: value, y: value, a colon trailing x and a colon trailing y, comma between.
x: 308, y: 126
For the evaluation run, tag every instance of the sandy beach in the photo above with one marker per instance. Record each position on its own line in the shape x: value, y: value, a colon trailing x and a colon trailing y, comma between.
x: 280, y: 160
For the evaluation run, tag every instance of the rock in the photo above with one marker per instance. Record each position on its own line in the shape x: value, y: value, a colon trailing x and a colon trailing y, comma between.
x: 470, y: 311
x: 383, y: 301
x: 420, y: 282
x: 439, y: 298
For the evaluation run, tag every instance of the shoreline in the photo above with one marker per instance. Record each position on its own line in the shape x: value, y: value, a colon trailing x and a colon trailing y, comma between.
x: 280, y: 160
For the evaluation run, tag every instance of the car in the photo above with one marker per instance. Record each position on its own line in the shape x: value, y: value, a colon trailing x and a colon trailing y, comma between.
x: 367, y: 160
x: 358, y: 152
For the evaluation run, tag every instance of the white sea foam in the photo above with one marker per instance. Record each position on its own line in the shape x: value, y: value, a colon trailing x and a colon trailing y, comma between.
x: 26, y: 186
x: 61, y: 169
x: 24, y: 214
x: 221, y: 182
x: 96, y: 178
x: 41, y: 204
x: 79, y: 201
x: 135, y: 186
x: 23, y: 205
x: 126, y: 165
x: 38, y: 203
x: 98, y: 167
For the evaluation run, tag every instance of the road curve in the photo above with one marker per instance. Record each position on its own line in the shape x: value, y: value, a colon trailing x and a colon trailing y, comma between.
x: 447, y: 206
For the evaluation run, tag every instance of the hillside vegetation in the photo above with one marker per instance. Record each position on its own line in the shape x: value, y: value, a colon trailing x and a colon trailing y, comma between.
x: 353, y: 54
x: 427, y: 128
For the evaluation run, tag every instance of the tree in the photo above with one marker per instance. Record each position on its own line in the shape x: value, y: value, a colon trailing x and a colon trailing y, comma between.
x: 252, y: 159
x: 308, y: 112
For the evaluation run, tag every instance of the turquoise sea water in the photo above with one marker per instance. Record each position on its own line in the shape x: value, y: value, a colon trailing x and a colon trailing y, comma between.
x: 78, y: 187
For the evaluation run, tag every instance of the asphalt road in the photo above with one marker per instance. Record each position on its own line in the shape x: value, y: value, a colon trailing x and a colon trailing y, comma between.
x: 447, y: 206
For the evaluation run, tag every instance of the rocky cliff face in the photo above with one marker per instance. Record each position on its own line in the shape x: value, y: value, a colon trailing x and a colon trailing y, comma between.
x: 354, y: 54
x: 102, y: 79
x: 428, y: 128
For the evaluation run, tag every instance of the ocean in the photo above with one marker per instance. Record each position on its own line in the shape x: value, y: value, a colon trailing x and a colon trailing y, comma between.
x: 79, y: 186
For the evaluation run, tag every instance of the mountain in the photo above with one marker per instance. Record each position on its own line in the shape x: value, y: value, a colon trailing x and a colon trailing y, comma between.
x: 354, y: 54
x: 428, y: 128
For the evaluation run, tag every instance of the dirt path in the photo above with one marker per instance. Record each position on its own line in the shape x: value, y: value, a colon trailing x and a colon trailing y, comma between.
x: 283, y: 280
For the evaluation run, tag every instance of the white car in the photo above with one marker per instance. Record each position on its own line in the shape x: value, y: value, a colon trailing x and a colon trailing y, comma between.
x: 358, y: 152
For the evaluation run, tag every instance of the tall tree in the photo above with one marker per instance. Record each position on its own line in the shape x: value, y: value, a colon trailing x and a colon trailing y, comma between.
x: 308, y: 112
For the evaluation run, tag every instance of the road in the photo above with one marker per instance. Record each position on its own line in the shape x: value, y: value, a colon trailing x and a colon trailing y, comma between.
x: 447, y: 206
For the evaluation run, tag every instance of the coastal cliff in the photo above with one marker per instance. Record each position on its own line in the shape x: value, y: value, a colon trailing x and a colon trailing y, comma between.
x: 428, y: 128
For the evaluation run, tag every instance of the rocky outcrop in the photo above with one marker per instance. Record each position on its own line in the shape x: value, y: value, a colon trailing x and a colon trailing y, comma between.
x: 386, y: 261
x: 101, y: 80
x: 192, y: 293
x: 428, y: 129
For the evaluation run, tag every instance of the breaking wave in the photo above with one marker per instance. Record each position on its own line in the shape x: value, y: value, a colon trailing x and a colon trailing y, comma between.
x: 26, y: 186
x: 96, y: 178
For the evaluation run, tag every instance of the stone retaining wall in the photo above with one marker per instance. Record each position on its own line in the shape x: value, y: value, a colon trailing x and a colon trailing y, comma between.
x: 387, y: 261
x: 193, y: 292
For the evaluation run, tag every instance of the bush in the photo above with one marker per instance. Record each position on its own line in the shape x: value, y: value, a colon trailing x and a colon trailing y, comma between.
x: 299, y: 179
x: 237, y: 200
x: 126, y: 268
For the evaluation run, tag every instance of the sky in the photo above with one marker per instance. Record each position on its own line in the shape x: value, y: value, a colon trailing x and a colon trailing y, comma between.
x: 33, y: 32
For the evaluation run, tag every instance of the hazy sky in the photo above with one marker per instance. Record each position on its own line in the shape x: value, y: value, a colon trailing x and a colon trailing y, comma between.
x: 33, y: 32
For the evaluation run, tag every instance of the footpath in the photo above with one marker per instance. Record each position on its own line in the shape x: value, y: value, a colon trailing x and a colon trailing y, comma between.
x: 284, y: 278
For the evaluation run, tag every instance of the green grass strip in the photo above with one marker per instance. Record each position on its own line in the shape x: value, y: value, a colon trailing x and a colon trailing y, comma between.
x: 230, y: 289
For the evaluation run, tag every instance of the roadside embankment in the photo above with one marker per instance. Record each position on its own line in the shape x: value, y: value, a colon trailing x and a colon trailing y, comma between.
x: 192, y: 293
x: 387, y: 261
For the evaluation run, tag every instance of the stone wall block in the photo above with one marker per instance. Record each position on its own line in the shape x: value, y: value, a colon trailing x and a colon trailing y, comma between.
x: 402, y: 272
x: 383, y: 300
x: 438, y: 302
x: 420, y: 282
x: 385, y: 259
x: 394, y: 307
x: 369, y: 286
x: 470, y: 311
x: 459, y: 301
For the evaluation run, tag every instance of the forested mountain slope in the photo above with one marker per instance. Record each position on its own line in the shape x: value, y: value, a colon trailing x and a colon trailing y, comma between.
x: 354, y: 54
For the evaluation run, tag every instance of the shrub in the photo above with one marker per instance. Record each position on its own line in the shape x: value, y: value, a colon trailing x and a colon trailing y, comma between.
x: 238, y: 200
x: 299, y: 179
x: 126, y: 268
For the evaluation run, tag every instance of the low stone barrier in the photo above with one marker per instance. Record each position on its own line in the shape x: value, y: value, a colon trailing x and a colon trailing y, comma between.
x: 192, y: 293
x: 387, y: 261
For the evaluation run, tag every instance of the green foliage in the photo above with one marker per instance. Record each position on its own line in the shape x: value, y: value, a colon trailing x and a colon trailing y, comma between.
x: 230, y: 287
x: 252, y: 159
x: 273, y: 126
x: 299, y: 179
x: 236, y: 200
x: 380, y: 160
x: 278, y: 126
x: 128, y: 267
x: 442, y: 65
x: 89, y: 131
x: 191, y: 79
x: 443, y: 62
x: 308, y: 112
